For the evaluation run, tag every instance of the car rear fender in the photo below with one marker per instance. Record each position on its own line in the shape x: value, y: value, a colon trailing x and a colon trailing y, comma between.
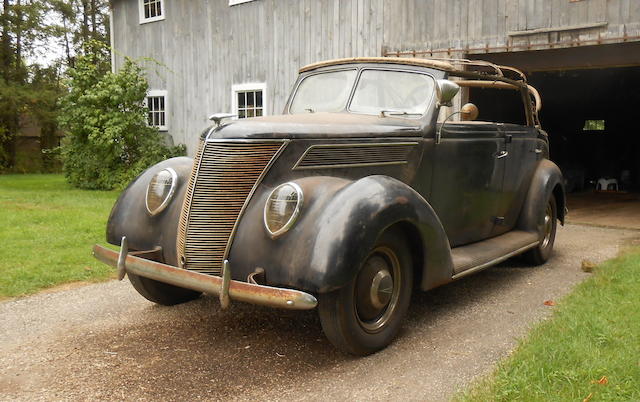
x: 546, y: 180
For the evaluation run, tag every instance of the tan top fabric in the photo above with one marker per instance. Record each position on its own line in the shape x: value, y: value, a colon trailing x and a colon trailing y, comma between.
x: 440, y: 65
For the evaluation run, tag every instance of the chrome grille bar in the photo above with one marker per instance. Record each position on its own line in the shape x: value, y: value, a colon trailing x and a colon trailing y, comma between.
x: 225, y: 179
x: 184, y: 215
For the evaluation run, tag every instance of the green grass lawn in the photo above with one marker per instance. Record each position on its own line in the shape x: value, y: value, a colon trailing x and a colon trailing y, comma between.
x: 589, y: 349
x: 47, y: 229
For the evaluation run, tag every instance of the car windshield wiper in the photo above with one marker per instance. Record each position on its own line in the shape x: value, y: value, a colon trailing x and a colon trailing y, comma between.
x: 385, y: 113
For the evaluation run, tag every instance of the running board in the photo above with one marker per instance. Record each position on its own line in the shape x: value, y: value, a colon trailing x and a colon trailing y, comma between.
x: 483, y: 254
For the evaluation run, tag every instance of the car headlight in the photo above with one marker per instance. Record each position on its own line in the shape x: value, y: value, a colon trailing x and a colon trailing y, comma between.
x: 160, y: 190
x: 282, y: 208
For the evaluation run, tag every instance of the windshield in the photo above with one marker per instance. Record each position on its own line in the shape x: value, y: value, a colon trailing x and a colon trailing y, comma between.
x: 378, y: 92
x: 392, y: 93
x: 328, y: 92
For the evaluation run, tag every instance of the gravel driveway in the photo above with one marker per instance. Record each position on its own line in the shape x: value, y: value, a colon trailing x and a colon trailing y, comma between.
x: 105, y: 342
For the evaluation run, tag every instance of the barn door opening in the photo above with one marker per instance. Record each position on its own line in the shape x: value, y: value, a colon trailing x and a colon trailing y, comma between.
x: 590, y: 97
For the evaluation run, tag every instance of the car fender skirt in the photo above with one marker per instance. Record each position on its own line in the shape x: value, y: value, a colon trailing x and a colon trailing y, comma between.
x: 336, y: 230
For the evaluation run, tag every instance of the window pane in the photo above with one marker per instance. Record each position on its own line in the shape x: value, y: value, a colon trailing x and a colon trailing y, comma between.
x: 162, y: 119
x: 326, y: 92
x: 394, y: 91
x: 241, y: 114
x: 593, y: 125
x: 161, y: 99
x: 259, y: 98
x: 258, y: 112
x: 241, y: 102
x: 150, y: 118
x: 250, y: 99
x: 146, y: 11
x: 159, y: 7
x: 249, y: 112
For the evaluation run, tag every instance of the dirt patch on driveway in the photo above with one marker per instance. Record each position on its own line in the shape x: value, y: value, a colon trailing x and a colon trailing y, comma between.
x: 106, y: 342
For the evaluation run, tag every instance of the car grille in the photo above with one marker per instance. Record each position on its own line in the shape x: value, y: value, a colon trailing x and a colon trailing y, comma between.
x: 355, y: 155
x: 222, y: 179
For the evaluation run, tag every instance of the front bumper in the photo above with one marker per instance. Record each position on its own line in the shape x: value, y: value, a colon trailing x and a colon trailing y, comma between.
x: 223, y: 287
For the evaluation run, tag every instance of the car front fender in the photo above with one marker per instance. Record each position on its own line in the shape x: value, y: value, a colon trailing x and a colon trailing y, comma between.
x: 339, y: 223
x: 129, y: 216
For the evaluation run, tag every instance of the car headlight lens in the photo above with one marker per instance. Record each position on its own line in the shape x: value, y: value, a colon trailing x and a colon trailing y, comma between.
x: 160, y: 190
x: 282, y: 208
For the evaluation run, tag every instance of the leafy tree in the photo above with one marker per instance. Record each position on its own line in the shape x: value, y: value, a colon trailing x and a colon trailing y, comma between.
x: 29, y: 88
x: 21, y: 26
x: 82, y: 21
x: 108, y: 140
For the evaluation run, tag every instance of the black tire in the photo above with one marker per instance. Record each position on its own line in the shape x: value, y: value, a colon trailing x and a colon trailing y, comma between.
x: 547, y: 230
x: 161, y: 293
x: 358, y: 319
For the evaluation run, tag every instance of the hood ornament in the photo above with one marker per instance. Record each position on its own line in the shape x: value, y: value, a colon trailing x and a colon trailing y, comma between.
x: 218, y: 117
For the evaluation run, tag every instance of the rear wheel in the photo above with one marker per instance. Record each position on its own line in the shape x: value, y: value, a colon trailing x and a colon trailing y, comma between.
x: 161, y: 293
x: 541, y: 253
x: 365, y: 315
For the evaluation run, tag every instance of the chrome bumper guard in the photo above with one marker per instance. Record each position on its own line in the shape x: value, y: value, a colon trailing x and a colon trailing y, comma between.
x: 223, y: 287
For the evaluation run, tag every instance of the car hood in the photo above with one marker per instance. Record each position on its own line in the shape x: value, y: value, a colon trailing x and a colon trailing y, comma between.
x: 318, y: 125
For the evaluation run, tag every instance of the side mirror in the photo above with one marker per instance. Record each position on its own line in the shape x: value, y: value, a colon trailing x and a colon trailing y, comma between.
x: 445, y: 92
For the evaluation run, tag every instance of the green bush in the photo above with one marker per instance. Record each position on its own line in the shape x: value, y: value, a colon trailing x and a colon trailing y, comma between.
x: 108, y: 141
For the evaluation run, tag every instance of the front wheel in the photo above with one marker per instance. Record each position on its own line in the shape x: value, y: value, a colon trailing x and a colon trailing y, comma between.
x: 365, y: 315
x: 541, y: 253
x: 161, y: 293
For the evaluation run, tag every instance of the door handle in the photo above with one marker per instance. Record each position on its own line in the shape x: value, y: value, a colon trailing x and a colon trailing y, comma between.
x: 502, y: 154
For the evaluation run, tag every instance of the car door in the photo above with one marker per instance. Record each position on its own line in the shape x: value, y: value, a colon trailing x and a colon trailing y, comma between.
x: 468, y: 173
x: 520, y: 162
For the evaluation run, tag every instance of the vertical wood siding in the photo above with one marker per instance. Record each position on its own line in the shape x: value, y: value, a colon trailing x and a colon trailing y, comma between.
x: 203, y: 47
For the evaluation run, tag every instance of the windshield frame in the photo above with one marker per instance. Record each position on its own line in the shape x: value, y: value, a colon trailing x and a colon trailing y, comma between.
x: 360, y: 70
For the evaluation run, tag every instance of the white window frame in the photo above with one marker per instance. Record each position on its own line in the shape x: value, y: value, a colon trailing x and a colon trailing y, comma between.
x: 163, y: 93
x: 235, y: 2
x: 253, y: 86
x: 144, y: 20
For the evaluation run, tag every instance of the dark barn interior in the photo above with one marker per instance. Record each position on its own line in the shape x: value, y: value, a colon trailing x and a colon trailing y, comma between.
x: 590, y: 99
x: 590, y: 116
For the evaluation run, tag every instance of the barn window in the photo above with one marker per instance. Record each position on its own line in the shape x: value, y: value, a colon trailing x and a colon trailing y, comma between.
x: 249, y: 100
x: 151, y: 10
x: 156, y: 103
x: 593, y: 125
x: 234, y: 2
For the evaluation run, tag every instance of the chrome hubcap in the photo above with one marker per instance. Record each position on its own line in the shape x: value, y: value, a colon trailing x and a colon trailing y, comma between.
x: 381, y: 289
x: 377, y: 289
x: 548, y: 226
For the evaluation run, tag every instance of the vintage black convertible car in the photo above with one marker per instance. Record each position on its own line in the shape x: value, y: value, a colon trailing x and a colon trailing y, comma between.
x: 350, y: 199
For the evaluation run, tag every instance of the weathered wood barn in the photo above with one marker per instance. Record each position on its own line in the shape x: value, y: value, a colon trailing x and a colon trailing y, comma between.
x: 242, y: 56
